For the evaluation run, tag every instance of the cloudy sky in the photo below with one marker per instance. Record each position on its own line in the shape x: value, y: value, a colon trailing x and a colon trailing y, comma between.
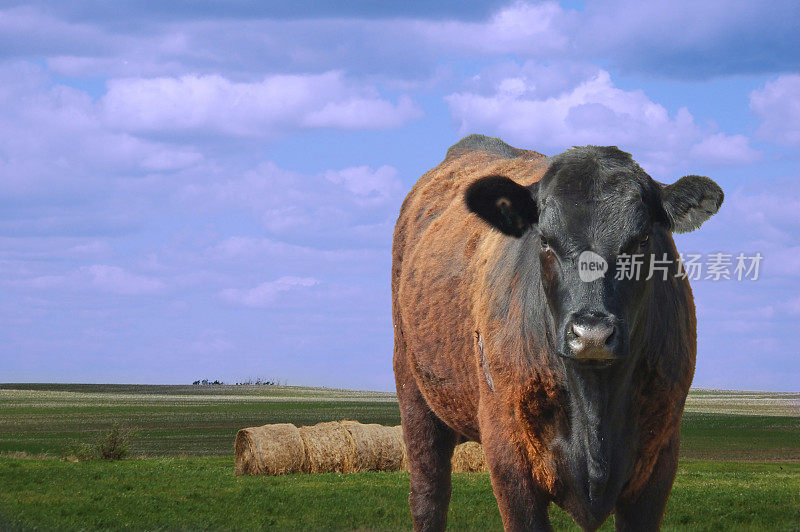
x: 208, y: 189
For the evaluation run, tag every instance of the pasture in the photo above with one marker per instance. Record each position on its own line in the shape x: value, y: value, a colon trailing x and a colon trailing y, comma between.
x: 740, y: 462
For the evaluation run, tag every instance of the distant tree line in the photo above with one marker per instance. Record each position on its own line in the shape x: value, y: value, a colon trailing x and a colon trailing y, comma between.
x: 248, y: 382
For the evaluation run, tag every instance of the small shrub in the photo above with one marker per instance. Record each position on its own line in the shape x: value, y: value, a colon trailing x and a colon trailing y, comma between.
x: 115, y: 445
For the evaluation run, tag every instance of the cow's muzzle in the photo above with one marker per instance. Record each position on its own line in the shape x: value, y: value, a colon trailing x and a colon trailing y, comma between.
x: 592, y: 339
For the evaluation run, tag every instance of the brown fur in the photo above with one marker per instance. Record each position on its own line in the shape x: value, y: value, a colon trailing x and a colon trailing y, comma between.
x: 445, y: 263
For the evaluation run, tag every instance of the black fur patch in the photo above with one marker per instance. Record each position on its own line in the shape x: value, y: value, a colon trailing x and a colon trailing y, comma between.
x: 475, y: 142
x: 504, y: 204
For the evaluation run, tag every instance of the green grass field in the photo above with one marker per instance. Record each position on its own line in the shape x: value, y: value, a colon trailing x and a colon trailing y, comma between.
x: 195, y: 493
x: 740, y: 463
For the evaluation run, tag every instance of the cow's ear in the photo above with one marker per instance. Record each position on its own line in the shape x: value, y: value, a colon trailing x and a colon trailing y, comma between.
x: 504, y: 204
x: 690, y: 201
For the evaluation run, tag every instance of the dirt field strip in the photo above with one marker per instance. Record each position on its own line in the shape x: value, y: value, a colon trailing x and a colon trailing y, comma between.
x: 744, y: 403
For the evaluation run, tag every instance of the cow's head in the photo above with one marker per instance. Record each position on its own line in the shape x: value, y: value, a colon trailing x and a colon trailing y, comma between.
x: 593, y: 205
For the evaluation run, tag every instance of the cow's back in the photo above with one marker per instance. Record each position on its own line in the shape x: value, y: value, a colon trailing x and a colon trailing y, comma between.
x: 436, y: 245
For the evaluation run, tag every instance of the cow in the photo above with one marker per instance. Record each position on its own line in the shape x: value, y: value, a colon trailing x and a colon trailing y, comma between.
x: 574, y: 384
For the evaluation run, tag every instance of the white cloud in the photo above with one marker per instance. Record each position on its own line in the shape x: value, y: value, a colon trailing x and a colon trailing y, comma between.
x: 777, y: 104
x: 103, y: 278
x: 53, y: 142
x: 91, y: 248
x: 368, y: 186
x: 531, y: 79
x: 520, y: 28
x: 161, y: 160
x: 407, y: 46
x: 725, y: 149
x: 116, y: 280
x: 683, y: 39
x: 352, y: 206
x: 266, y: 294
x: 756, y: 218
x: 689, y: 39
x: 768, y: 211
x: 269, y: 108
x: 594, y: 111
x: 245, y: 250
x: 363, y: 113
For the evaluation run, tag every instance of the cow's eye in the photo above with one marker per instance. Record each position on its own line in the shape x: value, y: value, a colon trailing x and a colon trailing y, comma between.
x: 545, y: 243
x: 643, y: 241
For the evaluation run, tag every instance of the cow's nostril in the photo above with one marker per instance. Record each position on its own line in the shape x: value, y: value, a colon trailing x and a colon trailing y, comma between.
x: 594, y: 335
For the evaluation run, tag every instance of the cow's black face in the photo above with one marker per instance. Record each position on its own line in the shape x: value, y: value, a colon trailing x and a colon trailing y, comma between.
x: 594, y: 205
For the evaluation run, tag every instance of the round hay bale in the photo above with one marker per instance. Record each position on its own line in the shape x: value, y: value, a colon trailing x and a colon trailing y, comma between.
x: 397, y: 432
x: 329, y: 448
x: 270, y: 449
x: 469, y: 458
x: 376, y: 447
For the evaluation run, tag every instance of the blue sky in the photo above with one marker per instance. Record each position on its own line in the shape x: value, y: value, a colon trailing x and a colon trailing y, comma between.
x: 208, y: 189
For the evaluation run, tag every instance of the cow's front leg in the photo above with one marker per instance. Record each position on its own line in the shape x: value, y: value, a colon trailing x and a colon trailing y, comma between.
x: 429, y: 444
x: 429, y: 449
x: 523, y: 505
x: 645, y: 510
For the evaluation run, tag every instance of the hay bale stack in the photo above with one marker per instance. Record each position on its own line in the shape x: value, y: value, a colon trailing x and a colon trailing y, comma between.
x: 376, y: 448
x: 342, y: 447
x: 270, y: 450
x: 329, y: 448
x: 469, y: 458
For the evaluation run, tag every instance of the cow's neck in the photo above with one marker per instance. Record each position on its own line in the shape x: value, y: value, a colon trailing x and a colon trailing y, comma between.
x: 598, y: 426
x: 602, y: 433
